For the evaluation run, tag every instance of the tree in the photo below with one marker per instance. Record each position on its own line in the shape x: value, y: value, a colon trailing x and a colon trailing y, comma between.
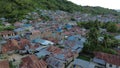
x: 15, y: 9
x: 111, y: 27
x: 92, y: 40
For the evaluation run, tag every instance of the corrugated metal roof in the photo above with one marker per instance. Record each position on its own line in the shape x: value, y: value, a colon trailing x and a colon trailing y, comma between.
x: 42, y: 53
x: 43, y: 42
x: 83, y: 63
x: 100, y: 61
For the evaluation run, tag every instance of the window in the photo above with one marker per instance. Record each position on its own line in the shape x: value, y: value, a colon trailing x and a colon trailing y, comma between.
x: 110, y: 65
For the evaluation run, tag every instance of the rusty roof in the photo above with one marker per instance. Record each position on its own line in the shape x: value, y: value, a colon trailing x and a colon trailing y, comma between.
x: 54, y: 50
x: 4, y: 64
x: 109, y: 58
x: 14, y: 45
x: 6, y: 32
x: 32, y: 61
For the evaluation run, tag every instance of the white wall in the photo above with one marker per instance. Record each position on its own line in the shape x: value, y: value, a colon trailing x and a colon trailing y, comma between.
x: 113, y: 66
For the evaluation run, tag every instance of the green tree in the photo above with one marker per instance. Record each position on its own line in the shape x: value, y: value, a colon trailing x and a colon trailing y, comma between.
x: 111, y: 27
x: 15, y: 9
x: 92, y: 40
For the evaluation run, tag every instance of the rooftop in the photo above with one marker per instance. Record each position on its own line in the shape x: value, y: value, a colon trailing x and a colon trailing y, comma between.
x: 4, y: 64
x: 32, y: 61
x: 109, y: 58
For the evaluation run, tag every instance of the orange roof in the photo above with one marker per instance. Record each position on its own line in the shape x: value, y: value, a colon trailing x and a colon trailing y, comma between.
x: 32, y: 61
x: 4, y: 64
x: 13, y: 45
x: 54, y: 49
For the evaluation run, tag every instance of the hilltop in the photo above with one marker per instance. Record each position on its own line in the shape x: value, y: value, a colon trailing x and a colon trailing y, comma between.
x: 15, y: 10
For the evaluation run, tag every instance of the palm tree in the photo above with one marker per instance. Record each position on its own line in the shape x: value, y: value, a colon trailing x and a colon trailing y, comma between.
x: 92, y: 39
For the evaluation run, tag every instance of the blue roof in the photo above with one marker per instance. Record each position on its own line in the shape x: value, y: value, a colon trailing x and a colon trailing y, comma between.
x: 38, y: 40
x: 74, y: 37
x: 60, y: 56
x: 68, y: 26
x: 83, y: 63
x: 42, y: 53
x: 100, y: 61
x: 71, y: 38
x: 18, y: 29
x: 59, y: 30
x: 40, y: 48
x: 27, y: 25
x: 16, y: 36
x: 42, y: 41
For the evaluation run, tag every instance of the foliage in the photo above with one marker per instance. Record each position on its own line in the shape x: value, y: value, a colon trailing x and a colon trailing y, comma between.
x: 11, y: 65
x: 84, y: 57
x: 89, y: 24
x: 108, y: 50
x: 45, y: 17
x: 9, y: 28
x: 15, y: 10
x: 93, y: 43
x: 110, y: 26
x: 2, y: 27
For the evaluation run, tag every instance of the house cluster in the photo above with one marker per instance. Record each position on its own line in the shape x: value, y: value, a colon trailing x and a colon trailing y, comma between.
x: 81, y: 17
x: 49, y: 44
x: 41, y: 45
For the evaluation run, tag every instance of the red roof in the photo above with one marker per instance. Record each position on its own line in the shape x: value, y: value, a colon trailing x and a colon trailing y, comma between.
x: 109, y: 58
x: 54, y: 49
x: 6, y: 32
x: 32, y: 61
x: 4, y: 64
x: 14, y: 45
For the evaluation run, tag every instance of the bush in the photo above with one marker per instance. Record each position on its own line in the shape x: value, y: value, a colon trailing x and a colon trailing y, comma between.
x: 110, y: 51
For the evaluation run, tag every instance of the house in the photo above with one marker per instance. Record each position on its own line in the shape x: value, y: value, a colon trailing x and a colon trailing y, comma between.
x: 7, y: 24
x: 79, y: 63
x: 75, y: 43
x: 55, y: 40
x: 59, y: 29
x: 24, y: 21
x: 32, y: 61
x: 68, y: 26
x: 20, y: 31
x: 7, y: 34
x: 35, y: 34
x: 13, y: 45
x: 65, y: 55
x: 17, y: 37
x: 109, y: 60
x: 73, y: 23
x: 42, y: 53
x: 42, y: 42
x: 45, y: 33
x: 54, y: 50
x: 55, y: 63
x: 69, y: 55
x: 117, y: 37
x: 4, y: 64
x: 18, y: 24
x: 28, y: 27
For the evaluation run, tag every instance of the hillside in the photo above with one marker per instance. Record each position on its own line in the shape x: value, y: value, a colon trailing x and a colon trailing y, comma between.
x: 15, y: 10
